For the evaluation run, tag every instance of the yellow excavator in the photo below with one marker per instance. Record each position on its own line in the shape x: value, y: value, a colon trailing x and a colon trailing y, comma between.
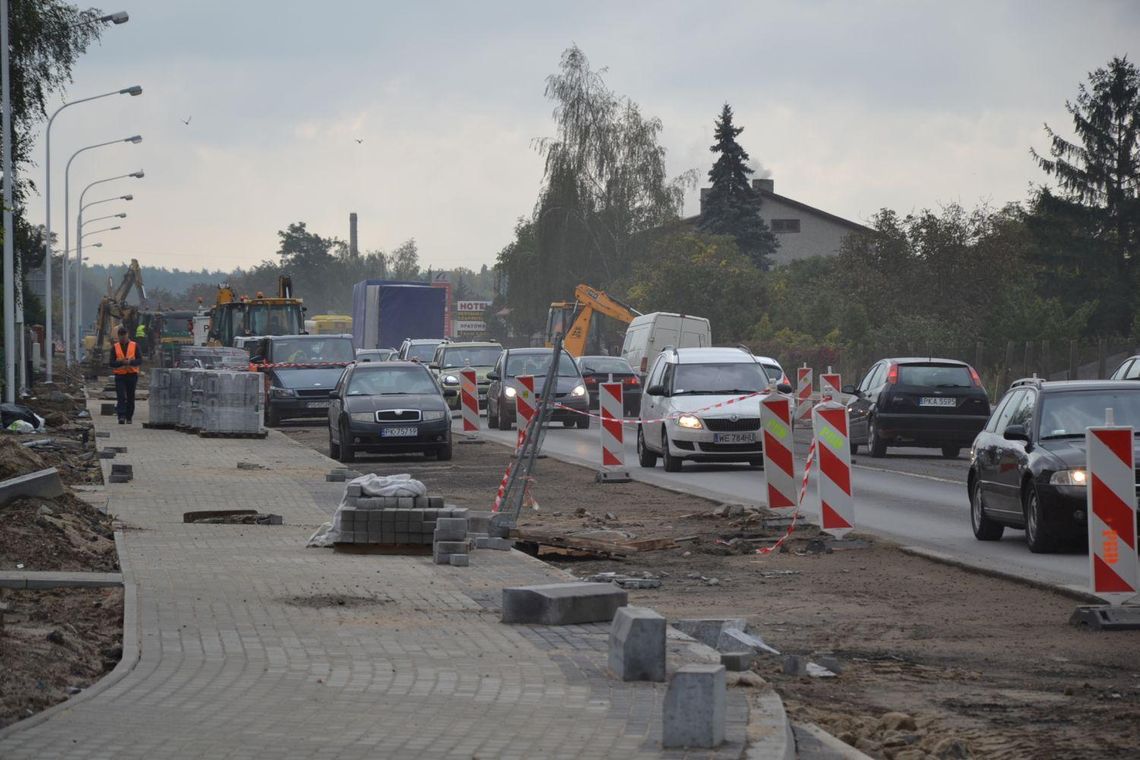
x: 234, y: 316
x: 113, y: 311
x: 573, y: 318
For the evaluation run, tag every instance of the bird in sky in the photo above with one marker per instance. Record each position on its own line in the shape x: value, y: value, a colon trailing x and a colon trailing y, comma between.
x: 359, y: 140
x: 186, y: 121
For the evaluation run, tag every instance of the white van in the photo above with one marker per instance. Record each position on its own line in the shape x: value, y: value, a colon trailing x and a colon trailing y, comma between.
x: 649, y: 334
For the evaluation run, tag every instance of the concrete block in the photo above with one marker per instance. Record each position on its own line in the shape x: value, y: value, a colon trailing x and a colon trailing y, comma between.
x: 107, y: 410
x: 106, y: 454
x: 452, y: 547
x: 460, y: 560
x: 43, y: 483
x: 738, y: 662
x: 736, y: 640
x: 637, y: 645
x: 348, y: 536
x: 502, y: 544
x: 420, y: 502
x: 122, y: 473
x: 455, y: 512
x: 353, y: 490
x: 406, y: 502
x: 435, y: 502
x: 795, y: 665
x: 708, y: 630
x: 450, y: 529
x: 695, y: 706
x: 102, y: 434
x: 563, y: 603
x: 478, y: 522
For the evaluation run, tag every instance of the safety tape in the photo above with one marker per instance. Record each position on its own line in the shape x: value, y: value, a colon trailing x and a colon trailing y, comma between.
x: 673, y: 416
x: 796, y: 514
x: 290, y: 365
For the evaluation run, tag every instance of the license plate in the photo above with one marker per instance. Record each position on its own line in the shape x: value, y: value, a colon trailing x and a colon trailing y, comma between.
x: 937, y: 401
x: 316, y: 405
x: 734, y: 438
x: 399, y: 432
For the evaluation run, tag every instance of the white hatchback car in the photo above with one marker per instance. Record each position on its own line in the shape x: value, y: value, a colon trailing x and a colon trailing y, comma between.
x: 677, y: 422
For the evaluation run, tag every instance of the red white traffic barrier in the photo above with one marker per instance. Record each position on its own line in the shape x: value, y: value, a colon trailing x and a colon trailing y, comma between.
x: 830, y: 385
x: 1113, y: 566
x: 832, y: 436
x: 779, y: 464
x: 469, y: 400
x: 610, y: 405
x: 803, y: 393
x: 524, y: 406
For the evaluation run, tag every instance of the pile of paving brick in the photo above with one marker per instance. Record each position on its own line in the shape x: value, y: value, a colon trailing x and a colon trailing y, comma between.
x: 404, y: 521
x: 209, y: 402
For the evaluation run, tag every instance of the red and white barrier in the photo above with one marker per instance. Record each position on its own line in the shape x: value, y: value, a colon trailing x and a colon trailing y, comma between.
x: 525, y: 405
x: 830, y: 385
x: 1113, y: 567
x: 803, y: 393
x: 613, y: 443
x: 832, y: 436
x: 502, y: 489
x: 469, y: 400
x: 779, y: 464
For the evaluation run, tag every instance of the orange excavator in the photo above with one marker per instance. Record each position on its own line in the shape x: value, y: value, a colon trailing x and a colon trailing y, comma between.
x: 573, y: 318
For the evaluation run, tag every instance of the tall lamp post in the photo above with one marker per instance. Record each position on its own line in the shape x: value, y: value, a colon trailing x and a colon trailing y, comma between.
x: 79, y: 252
x: 134, y: 140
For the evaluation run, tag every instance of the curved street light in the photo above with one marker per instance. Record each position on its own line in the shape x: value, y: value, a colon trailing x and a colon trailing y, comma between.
x: 79, y: 251
x: 120, y: 215
x: 134, y: 140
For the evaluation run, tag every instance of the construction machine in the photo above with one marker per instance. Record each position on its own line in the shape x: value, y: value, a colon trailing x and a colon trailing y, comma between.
x: 113, y: 311
x: 234, y: 316
x: 573, y: 318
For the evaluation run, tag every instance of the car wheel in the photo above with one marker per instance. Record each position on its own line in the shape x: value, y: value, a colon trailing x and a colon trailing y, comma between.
x: 443, y: 453
x: 950, y: 452
x: 492, y: 419
x: 347, y: 449
x: 985, y: 529
x: 271, y: 417
x: 334, y: 448
x: 645, y: 457
x: 504, y: 423
x: 1040, y: 537
x: 569, y: 423
x: 876, y: 444
x: 583, y: 422
x: 672, y: 463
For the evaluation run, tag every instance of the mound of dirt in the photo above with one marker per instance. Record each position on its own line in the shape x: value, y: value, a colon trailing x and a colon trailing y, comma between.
x: 17, y: 459
x: 65, y: 533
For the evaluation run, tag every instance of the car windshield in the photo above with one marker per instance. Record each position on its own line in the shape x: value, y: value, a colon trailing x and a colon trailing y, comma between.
x: 422, y: 351
x: 387, y: 381
x: 480, y: 356
x: 773, y: 371
x: 604, y: 364
x: 538, y: 364
x: 310, y: 350
x: 374, y: 355
x: 935, y: 375
x: 1065, y: 415
x: 735, y: 377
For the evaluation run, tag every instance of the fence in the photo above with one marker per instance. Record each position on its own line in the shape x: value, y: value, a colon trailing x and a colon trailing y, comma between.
x: 998, y: 362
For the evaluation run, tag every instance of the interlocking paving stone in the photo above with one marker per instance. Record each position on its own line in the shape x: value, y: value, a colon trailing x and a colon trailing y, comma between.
x: 245, y: 651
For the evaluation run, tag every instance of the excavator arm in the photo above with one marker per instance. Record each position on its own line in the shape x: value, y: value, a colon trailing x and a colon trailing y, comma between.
x: 589, y: 302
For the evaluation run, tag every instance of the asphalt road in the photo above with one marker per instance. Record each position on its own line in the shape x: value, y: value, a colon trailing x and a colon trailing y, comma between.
x: 912, y: 496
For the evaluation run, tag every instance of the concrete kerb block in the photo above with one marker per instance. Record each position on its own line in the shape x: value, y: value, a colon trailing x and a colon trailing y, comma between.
x: 695, y: 708
x: 563, y: 603
x: 460, y: 560
x: 42, y: 483
x: 637, y: 645
x: 737, y: 662
x: 736, y: 640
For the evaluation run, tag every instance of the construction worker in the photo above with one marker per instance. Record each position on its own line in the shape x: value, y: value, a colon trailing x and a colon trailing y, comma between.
x: 125, y: 360
x: 140, y: 336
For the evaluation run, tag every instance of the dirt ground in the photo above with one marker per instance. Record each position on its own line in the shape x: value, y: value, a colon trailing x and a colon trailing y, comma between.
x: 936, y: 661
x: 54, y: 643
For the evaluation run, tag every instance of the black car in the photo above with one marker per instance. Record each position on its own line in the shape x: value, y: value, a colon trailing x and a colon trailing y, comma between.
x: 299, y: 370
x: 388, y: 408
x: 936, y: 403
x: 570, y: 388
x: 611, y: 369
x: 1027, y: 466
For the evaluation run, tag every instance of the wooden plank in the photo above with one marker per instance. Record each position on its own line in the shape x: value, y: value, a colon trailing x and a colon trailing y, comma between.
x: 546, y: 537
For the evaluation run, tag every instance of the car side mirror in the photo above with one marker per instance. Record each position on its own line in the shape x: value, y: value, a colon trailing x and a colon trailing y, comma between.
x: 850, y: 390
x: 1016, y: 433
x: 450, y: 393
x: 656, y: 390
x: 492, y: 375
x: 332, y: 394
x: 433, y: 366
x: 784, y: 388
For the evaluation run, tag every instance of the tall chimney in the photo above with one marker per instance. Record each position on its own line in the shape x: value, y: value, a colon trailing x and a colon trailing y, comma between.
x: 764, y: 185
x: 353, y: 249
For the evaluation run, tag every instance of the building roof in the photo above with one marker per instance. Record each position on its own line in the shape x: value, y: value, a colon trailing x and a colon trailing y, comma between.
x: 766, y: 194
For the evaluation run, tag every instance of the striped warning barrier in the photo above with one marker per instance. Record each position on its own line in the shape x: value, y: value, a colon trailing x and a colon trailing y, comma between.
x: 830, y: 384
x: 1113, y: 566
x: 610, y: 405
x: 469, y: 400
x: 831, y: 433
x: 779, y: 464
x: 524, y: 406
x: 803, y: 393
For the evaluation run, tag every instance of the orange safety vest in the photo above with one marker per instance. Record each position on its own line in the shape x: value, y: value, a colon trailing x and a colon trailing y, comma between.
x: 132, y: 351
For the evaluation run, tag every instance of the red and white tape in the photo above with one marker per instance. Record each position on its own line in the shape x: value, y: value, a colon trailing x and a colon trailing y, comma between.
x: 524, y: 406
x: 675, y: 415
x: 799, y: 504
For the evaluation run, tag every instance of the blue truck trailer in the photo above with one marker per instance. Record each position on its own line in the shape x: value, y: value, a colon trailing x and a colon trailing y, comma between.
x: 385, y: 312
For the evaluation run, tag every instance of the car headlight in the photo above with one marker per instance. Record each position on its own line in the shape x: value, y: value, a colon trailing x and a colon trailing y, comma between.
x: 510, y: 393
x: 579, y: 390
x: 282, y: 393
x: 450, y: 380
x: 689, y: 421
x: 1074, y: 477
x: 363, y: 416
x: 431, y: 416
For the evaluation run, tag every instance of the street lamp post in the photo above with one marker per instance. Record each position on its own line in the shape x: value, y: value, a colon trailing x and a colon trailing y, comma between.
x: 114, y: 18
x: 122, y: 215
x: 134, y: 140
x: 79, y: 252
x: 9, y: 256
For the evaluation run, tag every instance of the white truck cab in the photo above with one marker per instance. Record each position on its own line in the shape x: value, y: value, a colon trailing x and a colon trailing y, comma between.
x: 649, y: 334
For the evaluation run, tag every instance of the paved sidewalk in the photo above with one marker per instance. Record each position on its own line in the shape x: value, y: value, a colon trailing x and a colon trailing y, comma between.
x: 253, y: 646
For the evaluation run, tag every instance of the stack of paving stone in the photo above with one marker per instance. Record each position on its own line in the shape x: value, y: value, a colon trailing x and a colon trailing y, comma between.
x: 450, y: 546
x: 164, y: 396
x: 392, y: 520
x: 230, y: 402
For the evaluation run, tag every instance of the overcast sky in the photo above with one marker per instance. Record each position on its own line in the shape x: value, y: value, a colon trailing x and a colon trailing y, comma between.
x: 851, y: 106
